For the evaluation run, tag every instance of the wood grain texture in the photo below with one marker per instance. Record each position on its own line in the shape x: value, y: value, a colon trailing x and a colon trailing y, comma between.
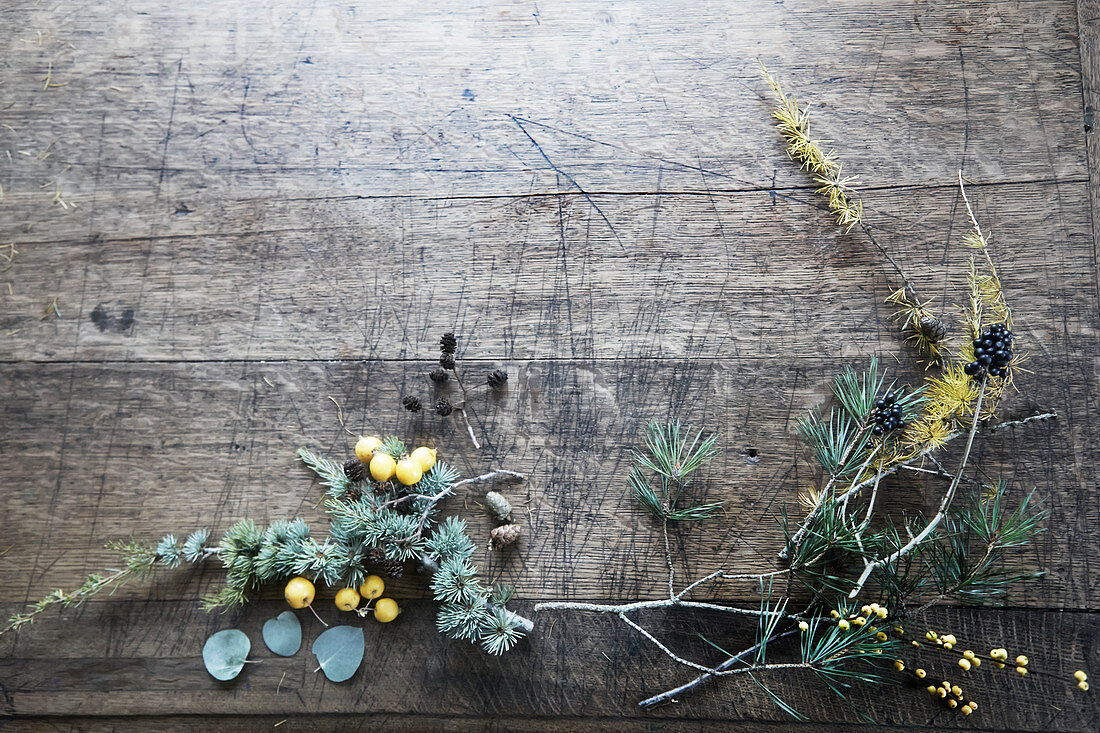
x: 544, y: 277
x: 170, y: 108
x: 341, y: 723
x: 246, y: 209
x: 174, y: 447
x: 1088, y: 19
x: 144, y: 659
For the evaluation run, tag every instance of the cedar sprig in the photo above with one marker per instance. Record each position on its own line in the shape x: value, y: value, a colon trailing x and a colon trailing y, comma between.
x: 499, y: 632
x: 331, y: 473
x: 463, y: 620
x: 366, y: 530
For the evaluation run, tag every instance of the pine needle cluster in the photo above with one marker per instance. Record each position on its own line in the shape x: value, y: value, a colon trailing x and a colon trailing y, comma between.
x: 663, y: 470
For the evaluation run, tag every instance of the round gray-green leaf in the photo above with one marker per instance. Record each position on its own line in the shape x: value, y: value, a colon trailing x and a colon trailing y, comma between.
x: 224, y: 653
x: 339, y: 651
x: 283, y: 634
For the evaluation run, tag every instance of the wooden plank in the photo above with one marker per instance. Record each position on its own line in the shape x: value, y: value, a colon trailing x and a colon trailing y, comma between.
x: 723, y: 276
x: 341, y: 723
x: 144, y: 659
x: 96, y: 452
x: 1088, y: 19
x: 168, y: 110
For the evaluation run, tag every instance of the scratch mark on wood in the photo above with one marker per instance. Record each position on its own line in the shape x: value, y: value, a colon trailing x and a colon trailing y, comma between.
x: 569, y: 178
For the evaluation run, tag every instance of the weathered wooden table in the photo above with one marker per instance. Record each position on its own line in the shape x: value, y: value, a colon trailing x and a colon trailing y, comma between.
x: 244, y: 209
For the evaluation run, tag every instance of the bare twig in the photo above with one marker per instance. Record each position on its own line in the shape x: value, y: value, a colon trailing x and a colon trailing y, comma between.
x: 844, y: 504
x: 487, y: 477
x: 713, y: 671
x: 469, y: 428
x: 969, y: 210
x: 645, y: 605
x: 901, y: 273
x: 435, y: 499
x: 670, y: 695
x: 945, y: 503
x: 676, y: 599
x: 668, y: 558
x: 462, y: 409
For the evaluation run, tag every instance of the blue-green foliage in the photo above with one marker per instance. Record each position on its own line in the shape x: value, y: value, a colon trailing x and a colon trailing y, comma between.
x: 369, y: 523
x: 168, y: 551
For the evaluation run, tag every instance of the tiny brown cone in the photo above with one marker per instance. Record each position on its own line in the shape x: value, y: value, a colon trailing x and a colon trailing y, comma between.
x: 503, y: 535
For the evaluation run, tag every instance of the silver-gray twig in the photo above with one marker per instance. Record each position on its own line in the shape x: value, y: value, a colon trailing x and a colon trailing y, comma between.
x: 945, y: 503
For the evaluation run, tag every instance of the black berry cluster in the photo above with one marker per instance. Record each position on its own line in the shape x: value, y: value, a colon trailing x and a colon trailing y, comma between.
x: 887, y: 415
x: 992, y: 352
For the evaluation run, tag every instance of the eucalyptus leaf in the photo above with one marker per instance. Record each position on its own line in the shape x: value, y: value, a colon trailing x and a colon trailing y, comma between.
x: 224, y: 653
x: 283, y: 634
x: 339, y: 651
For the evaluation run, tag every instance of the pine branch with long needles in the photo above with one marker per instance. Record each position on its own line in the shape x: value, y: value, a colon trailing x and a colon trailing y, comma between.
x: 875, y: 428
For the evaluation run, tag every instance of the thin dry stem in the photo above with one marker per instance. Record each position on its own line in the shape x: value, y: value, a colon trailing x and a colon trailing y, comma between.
x: 712, y: 671
x: 670, y: 695
x: 945, y: 504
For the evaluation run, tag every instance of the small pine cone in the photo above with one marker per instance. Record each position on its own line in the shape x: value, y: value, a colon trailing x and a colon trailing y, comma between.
x: 394, y: 568
x: 499, y: 506
x: 353, y: 469
x: 447, y: 361
x: 376, y: 556
x: 932, y: 328
x: 411, y: 403
x: 380, y: 487
x: 448, y: 343
x: 353, y: 493
x: 503, y: 535
x: 444, y: 407
x: 498, y: 378
x: 439, y: 376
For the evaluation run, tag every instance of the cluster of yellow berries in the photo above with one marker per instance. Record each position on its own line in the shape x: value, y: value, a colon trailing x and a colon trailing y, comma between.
x: 969, y: 660
x: 860, y: 619
x: 299, y: 593
x: 1082, y: 680
x: 947, y: 641
x: 949, y: 693
x: 384, y: 467
x: 1000, y: 658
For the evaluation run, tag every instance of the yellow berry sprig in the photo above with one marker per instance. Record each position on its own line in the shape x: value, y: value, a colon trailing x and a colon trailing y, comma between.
x: 408, y: 469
